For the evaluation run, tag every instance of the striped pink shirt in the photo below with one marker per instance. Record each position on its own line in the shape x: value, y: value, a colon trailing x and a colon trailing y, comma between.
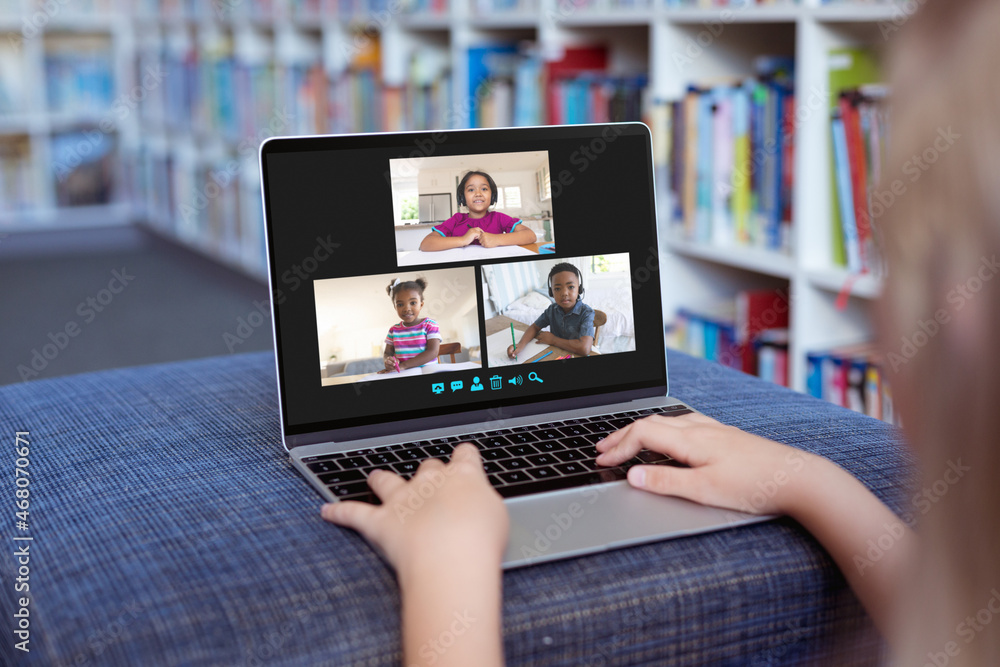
x: 408, y: 342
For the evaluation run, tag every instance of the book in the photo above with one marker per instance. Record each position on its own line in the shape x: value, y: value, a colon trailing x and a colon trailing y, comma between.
x: 758, y: 311
x: 772, y: 356
x: 575, y: 61
x: 844, y: 183
x: 490, y: 67
x: 723, y: 160
x: 858, y: 166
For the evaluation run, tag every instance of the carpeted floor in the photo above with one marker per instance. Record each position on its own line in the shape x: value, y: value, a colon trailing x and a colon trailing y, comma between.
x: 83, y: 300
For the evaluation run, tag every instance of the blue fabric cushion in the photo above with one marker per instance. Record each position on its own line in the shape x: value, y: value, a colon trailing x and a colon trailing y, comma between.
x: 170, y: 529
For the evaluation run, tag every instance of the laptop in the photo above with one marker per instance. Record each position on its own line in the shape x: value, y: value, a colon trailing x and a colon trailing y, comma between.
x: 405, y: 270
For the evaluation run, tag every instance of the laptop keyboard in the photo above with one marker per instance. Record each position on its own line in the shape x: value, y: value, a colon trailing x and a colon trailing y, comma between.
x: 518, y: 461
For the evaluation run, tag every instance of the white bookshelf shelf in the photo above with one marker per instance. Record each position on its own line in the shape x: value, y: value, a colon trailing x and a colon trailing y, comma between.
x: 863, y: 286
x: 602, y: 17
x: 426, y: 21
x: 859, y: 13
x: 504, y: 20
x: 759, y: 260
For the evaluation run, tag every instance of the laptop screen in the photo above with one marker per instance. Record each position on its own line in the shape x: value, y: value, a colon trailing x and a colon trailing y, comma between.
x: 424, y: 279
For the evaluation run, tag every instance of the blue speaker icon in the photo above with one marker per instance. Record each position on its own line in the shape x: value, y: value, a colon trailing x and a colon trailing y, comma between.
x: 517, y: 380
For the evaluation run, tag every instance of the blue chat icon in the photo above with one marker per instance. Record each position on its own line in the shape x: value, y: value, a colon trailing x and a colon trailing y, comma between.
x: 437, y: 387
x: 456, y: 385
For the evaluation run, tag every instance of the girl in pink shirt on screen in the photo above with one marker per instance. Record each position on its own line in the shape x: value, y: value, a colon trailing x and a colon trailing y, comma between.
x: 477, y: 191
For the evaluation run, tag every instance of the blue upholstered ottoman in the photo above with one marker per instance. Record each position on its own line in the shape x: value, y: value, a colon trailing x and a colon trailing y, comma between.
x: 170, y: 529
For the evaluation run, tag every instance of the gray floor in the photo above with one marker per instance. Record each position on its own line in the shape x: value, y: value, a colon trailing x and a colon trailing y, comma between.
x: 85, y: 300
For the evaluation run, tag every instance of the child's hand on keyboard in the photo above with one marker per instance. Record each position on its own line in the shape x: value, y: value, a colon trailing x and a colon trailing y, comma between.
x: 728, y: 467
x: 446, y: 513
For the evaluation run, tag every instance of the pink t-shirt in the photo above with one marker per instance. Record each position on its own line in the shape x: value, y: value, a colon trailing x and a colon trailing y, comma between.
x: 493, y: 222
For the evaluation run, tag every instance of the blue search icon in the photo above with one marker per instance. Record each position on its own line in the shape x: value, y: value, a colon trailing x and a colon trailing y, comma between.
x: 534, y: 376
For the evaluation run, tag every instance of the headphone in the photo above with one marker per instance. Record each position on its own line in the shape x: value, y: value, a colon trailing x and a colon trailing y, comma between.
x: 560, y: 268
x: 489, y: 180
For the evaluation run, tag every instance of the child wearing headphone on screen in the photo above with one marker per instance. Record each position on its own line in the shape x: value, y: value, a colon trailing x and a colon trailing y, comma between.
x: 570, y: 320
x: 477, y: 191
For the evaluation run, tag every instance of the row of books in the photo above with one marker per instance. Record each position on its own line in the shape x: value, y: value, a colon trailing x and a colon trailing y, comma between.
x: 212, y: 92
x: 308, y: 10
x: 315, y: 9
x: 504, y: 5
x: 749, y: 334
x: 852, y: 377
x: 730, y: 157
x: 859, y: 131
x: 510, y: 84
x: 18, y: 7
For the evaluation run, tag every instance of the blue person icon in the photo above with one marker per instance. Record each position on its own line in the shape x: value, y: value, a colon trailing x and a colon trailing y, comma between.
x: 476, y: 386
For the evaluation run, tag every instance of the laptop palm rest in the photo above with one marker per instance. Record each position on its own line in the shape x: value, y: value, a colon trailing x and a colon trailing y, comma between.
x: 604, y: 517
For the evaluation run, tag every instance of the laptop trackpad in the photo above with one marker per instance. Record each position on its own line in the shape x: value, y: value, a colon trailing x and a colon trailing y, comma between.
x: 602, y: 517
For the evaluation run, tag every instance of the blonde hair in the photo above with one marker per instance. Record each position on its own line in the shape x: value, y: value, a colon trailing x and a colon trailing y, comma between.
x: 940, y: 321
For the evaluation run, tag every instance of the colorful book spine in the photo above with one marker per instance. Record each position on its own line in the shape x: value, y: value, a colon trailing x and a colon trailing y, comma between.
x: 741, y: 163
x: 845, y: 194
x: 722, y: 163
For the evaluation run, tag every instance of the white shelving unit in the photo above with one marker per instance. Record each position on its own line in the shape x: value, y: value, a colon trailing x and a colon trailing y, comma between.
x: 28, y: 118
x: 829, y: 307
x: 171, y: 160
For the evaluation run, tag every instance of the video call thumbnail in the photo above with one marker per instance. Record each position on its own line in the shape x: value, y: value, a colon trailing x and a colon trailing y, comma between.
x: 462, y: 208
x: 555, y: 309
x: 397, y: 325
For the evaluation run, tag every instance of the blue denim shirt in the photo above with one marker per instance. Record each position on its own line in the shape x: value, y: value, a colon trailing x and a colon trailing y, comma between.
x: 576, y: 323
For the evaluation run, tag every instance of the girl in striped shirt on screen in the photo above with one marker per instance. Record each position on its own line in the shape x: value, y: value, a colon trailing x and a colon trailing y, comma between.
x: 413, y: 341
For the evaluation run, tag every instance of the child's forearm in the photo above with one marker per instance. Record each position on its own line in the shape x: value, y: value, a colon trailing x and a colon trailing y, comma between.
x: 847, y: 519
x: 452, y: 612
x: 435, y: 241
x: 528, y: 336
x: 523, y: 236
x: 577, y: 346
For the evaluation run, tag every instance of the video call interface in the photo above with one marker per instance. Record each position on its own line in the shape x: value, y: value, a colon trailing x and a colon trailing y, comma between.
x: 451, y: 273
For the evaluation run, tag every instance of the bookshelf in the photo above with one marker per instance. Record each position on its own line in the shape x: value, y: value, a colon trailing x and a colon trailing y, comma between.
x: 373, y: 65
x: 63, y: 70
